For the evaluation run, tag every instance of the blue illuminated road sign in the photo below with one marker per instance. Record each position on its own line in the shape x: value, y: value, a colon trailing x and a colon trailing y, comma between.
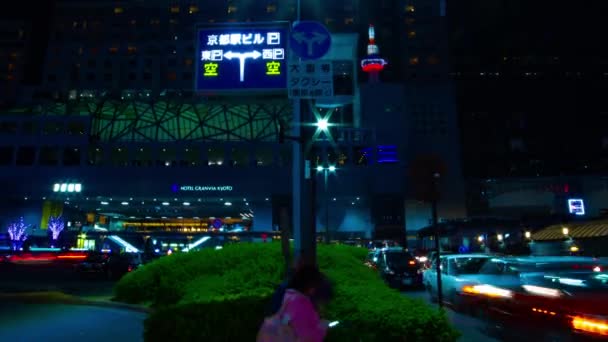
x: 309, y: 40
x: 241, y: 57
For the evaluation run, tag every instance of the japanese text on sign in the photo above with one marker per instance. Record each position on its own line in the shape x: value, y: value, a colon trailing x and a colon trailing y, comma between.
x: 311, y: 79
x: 242, y: 58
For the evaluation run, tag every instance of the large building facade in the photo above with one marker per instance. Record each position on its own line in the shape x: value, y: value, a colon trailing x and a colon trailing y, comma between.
x: 118, y: 118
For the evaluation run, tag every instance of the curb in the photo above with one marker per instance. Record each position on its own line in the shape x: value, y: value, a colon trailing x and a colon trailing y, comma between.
x: 62, y: 298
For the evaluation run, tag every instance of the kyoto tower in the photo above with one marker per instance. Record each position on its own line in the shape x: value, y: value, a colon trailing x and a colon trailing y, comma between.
x: 373, y: 63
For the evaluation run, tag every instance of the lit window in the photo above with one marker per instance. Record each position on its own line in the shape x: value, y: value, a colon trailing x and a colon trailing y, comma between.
x: 154, y: 21
x: 118, y: 10
x: 410, y: 8
x: 193, y: 9
x: 271, y: 8
x: 414, y: 61
x: 410, y: 21
x: 133, y: 22
x: 411, y: 34
x: 131, y: 50
x: 174, y: 9
x: 113, y: 50
x: 171, y: 76
x: 349, y: 21
x: 188, y: 61
x: 433, y: 60
x: 11, y: 67
x: 232, y: 9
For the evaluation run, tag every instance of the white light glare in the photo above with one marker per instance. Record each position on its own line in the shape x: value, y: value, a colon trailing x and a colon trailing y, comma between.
x: 70, y: 187
x: 332, y: 168
x: 323, y: 124
x: 319, y: 168
x: 56, y: 187
x: 186, y: 204
x: 227, y: 204
x: 542, y: 291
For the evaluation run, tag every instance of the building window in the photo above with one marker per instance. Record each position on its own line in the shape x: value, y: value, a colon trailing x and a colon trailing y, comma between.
x: 132, y: 76
x: 414, y: 61
x: 75, y: 128
x: 132, y: 50
x: 188, y: 62
x: 8, y: 127
x: 171, y: 76
x: 6, y: 155
x: 95, y: 156
x: 193, y: 9
x: 29, y: 128
x: 349, y: 21
x: 132, y: 62
x: 147, y: 76
x: 433, y: 60
x: 91, y: 63
x: 107, y: 63
x: 48, y: 156
x: 155, y: 22
x: 187, y: 76
x: 90, y: 76
x: 118, y: 10
x: 107, y: 77
x: 26, y: 155
x: 271, y: 8
x: 411, y: 34
x: 52, y: 78
x: 174, y: 9
x: 410, y: 8
x: 71, y: 156
x: 329, y: 21
x: 232, y: 9
x: 410, y: 21
x: 52, y: 128
x: 113, y: 50
x: 171, y: 62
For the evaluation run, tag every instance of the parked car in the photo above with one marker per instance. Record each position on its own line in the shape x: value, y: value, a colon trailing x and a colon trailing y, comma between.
x: 397, y: 267
x: 109, y: 266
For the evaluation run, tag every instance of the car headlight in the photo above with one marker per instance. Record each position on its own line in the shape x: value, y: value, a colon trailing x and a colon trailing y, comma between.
x: 487, y: 290
x: 389, y: 271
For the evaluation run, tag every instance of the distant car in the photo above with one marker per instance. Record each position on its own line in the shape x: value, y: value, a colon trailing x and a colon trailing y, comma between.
x: 110, y: 266
x: 457, y: 271
x: 397, y: 267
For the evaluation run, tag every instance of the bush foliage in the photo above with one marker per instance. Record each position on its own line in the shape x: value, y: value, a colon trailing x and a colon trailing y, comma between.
x: 221, y: 295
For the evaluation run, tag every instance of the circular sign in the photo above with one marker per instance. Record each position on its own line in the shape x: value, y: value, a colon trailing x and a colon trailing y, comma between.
x: 309, y: 39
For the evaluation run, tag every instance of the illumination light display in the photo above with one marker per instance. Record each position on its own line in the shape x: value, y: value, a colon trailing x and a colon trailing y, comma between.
x: 56, y: 226
x: 17, y: 233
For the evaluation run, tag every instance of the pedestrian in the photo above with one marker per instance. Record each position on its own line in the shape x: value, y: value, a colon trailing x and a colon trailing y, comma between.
x: 298, y: 316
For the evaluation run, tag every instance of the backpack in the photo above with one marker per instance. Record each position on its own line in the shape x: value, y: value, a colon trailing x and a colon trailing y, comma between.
x: 276, y: 328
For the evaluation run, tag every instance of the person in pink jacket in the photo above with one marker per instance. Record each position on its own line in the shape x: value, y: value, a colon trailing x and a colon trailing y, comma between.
x: 307, y: 289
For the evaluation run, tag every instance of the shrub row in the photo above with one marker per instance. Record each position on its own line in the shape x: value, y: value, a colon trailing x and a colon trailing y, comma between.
x: 221, y: 295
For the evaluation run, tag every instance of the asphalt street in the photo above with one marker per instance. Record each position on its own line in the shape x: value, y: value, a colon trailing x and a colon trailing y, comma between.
x: 471, y: 328
x: 59, y: 322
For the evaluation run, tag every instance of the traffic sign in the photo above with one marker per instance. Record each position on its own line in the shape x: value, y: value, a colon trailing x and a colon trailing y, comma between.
x: 310, y: 79
x: 309, y: 40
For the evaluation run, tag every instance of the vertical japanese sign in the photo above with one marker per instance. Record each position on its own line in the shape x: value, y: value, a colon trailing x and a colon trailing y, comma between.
x: 310, y: 79
x: 241, y: 57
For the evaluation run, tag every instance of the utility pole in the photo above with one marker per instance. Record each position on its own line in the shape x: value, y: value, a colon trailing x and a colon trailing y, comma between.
x: 434, y: 201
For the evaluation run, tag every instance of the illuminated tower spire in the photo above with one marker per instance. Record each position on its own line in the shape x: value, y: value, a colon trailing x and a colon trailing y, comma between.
x: 372, y: 64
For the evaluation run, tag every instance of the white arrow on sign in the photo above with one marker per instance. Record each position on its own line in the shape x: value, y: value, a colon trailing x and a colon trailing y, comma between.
x: 242, y: 56
x: 317, y: 38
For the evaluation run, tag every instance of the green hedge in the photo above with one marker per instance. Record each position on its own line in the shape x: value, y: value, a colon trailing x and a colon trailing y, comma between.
x: 221, y: 295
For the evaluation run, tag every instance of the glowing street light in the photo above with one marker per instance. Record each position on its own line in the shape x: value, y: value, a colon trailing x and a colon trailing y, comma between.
x: 528, y: 234
x: 565, y: 231
x: 480, y: 238
x: 323, y: 124
x: 332, y: 168
x: 319, y: 168
x: 499, y: 237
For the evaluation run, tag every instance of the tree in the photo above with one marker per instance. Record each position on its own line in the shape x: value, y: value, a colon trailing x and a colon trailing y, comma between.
x: 56, y: 226
x: 17, y: 233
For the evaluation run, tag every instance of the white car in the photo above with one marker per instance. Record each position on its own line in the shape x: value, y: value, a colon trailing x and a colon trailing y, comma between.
x: 457, y: 271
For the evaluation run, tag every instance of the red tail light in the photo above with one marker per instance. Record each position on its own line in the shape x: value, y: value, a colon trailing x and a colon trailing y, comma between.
x: 130, y: 268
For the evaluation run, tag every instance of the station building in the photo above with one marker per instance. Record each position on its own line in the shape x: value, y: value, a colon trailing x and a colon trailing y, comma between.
x: 119, y: 140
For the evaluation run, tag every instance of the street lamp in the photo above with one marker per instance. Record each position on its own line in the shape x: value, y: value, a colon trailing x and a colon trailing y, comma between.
x: 332, y: 168
x: 565, y: 231
x: 323, y: 124
x: 528, y: 234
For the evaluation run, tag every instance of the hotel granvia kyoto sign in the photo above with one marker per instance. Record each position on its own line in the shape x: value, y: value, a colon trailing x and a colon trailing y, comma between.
x: 201, y: 188
x: 241, y: 57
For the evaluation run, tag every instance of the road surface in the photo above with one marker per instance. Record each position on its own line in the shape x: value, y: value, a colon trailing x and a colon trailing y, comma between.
x: 60, y: 323
x: 471, y: 328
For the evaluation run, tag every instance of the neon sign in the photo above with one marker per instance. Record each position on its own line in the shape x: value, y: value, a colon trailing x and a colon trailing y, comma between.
x: 576, y: 207
x: 241, y: 57
x: 201, y: 188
